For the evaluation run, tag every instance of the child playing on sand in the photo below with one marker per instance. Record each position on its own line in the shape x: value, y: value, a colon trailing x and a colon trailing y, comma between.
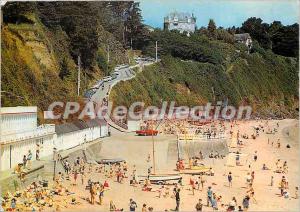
x: 255, y: 156
x: 278, y: 143
x: 272, y: 181
x: 285, y: 167
x: 193, y: 186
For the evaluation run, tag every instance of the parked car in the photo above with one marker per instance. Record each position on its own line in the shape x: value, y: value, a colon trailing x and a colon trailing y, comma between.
x: 108, y: 78
x: 147, y: 132
x: 114, y: 75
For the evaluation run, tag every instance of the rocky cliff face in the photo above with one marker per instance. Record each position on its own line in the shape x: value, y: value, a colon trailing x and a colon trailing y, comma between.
x: 37, y: 66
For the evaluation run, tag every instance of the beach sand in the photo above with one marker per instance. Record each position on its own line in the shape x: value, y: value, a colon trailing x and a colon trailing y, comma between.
x: 135, y: 150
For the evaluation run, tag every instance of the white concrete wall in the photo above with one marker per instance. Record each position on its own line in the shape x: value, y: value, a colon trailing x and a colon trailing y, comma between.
x: 72, y: 139
x: 12, y: 154
x: 47, y: 143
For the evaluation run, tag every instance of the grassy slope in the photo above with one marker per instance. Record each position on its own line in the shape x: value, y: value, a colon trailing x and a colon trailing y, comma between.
x: 267, y: 81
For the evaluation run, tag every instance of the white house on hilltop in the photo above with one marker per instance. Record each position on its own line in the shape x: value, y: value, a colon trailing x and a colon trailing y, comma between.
x: 244, y: 38
x: 183, y: 22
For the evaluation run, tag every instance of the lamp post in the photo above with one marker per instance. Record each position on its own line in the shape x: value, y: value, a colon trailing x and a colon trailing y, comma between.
x: 55, y: 162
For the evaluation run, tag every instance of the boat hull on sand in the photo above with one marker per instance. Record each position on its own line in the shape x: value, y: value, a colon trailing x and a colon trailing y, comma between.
x: 195, y: 170
x: 162, y: 179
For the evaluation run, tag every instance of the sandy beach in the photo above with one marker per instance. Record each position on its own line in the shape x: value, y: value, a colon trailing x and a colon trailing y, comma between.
x: 135, y: 150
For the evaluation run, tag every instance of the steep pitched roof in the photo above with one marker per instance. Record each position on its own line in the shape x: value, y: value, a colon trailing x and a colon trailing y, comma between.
x: 65, y: 128
x: 182, y: 17
x: 241, y: 37
x: 78, y: 125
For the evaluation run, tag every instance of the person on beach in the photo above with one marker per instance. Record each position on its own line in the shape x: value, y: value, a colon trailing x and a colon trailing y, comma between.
x: 177, y: 198
x: 214, y: 202
x: 272, y: 181
x: 252, y: 176
x: 82, y: 178
x: 193, y: 186
x: 24, y: 161
x: 202, y: 181
x: 282, y: 185
x: 229, y: 178
x: 199, y: 205
x: 75, y: 175
x: 144, y: 208
x: 132, y: 205
x: 248, y: 179
x: 92, y: 193
x: 149, y: 171
x: 105, y: 184
x: 285, y: 167
x: 209, y: 195
x: 232, y: 204
x: 29, y: 157
x: 277, y: 164
x: 112, y: 206
x: 246, y: 203
x: 255, y: 156
x: 13, y: 204
x: 278, y: 143
x: 101, y: 194
x: 240, y: 208
x: 265, y: 167
x: 160, y: 191
x: 253, y: 197
x: 201, y: 155
x: 37, y: 152
x: 237, y: 159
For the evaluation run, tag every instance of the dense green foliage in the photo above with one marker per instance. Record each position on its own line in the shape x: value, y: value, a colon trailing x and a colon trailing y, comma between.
x: 283, y: 40
x: 189, y: 48
x: 83, y: 22
x: 41, y: 42
x: 193, y: 66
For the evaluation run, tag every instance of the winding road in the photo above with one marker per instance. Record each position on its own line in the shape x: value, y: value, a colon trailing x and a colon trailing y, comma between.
x: 99, y: 93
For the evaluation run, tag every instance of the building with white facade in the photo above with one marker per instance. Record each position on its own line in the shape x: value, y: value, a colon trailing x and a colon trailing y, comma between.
x: 20, y: 133
x: 244, y: 38
x: 183, y: 22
